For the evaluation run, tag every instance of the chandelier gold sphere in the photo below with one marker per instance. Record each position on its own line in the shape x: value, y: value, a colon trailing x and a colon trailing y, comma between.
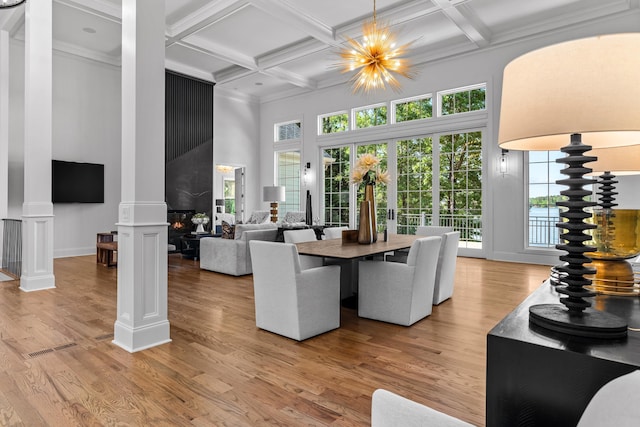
x: 377, y: 59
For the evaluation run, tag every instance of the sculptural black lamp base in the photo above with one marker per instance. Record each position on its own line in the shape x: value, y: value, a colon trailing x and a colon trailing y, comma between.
x: 573, y: 316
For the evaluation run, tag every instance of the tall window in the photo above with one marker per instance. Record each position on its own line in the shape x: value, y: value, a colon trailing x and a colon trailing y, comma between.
x: 463, y: 100
x: 289, y: 176
x: 336, y: 186
x: 287, y: 131
x: 370, y: 116
x: 460, y: 202
x: 414, y: 191
x: 543, y: 195
x: 332, y: 123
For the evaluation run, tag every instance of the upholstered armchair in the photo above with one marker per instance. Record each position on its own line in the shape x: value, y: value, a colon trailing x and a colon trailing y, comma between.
x: 290, y: 301
x: 304, y: 235
x: 397, y: 292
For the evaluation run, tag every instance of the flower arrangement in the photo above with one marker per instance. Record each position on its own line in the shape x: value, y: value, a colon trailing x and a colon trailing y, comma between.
x: 200, y: 218
x: 367, y: 171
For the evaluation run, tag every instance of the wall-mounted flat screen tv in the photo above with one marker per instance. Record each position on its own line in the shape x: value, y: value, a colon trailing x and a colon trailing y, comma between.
x: 73, y: 182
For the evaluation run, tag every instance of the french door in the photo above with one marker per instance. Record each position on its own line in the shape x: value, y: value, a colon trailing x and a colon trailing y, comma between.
x: 435, y: 180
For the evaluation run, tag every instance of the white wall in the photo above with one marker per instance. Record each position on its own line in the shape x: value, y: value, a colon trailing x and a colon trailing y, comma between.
x: 504, y: 196
x: 86, y: 128
x: 628, y: 188
x: 235, y: 143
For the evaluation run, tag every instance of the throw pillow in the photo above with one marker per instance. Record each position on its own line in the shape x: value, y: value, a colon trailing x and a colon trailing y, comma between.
x: 228, y: 230
x: 258, y: 217
x: 295, y: 217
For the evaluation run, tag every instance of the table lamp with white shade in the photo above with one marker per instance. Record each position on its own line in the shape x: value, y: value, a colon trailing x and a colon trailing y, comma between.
x: 554, y: 98
x: 617, y: 236
x: 273, y: 194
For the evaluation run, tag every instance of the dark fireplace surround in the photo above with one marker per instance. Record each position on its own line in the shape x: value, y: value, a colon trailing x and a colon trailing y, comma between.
x: 188, y: 153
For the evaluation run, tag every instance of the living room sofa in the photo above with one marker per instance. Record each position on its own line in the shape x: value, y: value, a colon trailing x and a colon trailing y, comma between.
x: 232, y: 256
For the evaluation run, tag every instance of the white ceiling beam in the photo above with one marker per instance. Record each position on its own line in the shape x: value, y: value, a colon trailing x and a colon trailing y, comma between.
x: 465, y: 20
x: 289, y: 77
x: 291, y: 53
x: 211, y: 13
x: 219, y: 51
x: 295, y: 18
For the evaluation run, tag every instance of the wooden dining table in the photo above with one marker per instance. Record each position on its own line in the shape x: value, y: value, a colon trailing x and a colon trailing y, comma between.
x: 335, y: 248
x: 347, y: 255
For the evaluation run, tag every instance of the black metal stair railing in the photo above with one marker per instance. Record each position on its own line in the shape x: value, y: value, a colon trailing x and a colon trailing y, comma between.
x: 12, y: 246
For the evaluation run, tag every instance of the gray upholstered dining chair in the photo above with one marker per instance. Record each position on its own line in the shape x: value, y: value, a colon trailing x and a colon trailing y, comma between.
x: 303, y: 235
x: 397, y: 292
x: 290, y: 301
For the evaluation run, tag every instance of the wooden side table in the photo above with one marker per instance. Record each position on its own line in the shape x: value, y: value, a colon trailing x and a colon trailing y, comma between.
x: 104, y: 253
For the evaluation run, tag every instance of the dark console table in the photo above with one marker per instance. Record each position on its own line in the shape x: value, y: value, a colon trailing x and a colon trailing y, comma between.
x: 191, y: 245
x: 540, y: 378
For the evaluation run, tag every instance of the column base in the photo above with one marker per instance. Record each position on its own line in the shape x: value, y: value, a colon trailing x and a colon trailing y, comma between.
x: 140, y: 338
x: 37, y: 283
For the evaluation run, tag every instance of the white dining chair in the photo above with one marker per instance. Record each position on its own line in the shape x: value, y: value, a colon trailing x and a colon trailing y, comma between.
x: 397, y: 292
x: 304, y: 235
x: 334, y: 232
x: 290, y: 301
x: 446, y: 269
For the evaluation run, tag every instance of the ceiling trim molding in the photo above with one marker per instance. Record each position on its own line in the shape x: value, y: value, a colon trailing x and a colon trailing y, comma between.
x: 13, y: 20
x: 233, y: 94
x: 218, y: 51
x: 190, y: 71
x: 100, y: 8
x: 75, y: 50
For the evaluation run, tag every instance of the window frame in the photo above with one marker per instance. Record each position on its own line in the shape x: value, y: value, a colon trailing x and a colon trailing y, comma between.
x: 467, y: 88
x: 394, y: 103
x: 354, y: 112
x: 276, y: 133
x: 336, y: 113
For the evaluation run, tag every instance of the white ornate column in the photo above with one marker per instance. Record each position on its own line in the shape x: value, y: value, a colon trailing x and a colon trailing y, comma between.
x: 37, y: 209
x: 142, y: 225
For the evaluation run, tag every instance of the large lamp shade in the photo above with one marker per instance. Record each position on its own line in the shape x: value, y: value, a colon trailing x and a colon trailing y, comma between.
x: 574, y: 96
x: 617, y: 160
x: 587, y: 86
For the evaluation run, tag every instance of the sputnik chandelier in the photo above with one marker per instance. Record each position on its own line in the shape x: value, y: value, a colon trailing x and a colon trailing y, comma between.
x: 377, y: 58
x: 5, y: 4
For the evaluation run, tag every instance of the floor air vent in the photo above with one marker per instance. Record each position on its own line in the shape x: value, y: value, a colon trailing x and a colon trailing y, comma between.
x: 51, y: 350
x: 104, y: 337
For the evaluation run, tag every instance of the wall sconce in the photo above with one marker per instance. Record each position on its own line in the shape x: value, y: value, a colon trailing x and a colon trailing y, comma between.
x: 306, y: 177
x: 503, y: 162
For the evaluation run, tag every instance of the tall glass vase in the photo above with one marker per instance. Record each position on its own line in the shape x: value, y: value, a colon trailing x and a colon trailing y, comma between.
x: 367, y: 231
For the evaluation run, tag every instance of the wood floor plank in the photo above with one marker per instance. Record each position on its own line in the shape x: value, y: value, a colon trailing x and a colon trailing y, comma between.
x: 221, y: 370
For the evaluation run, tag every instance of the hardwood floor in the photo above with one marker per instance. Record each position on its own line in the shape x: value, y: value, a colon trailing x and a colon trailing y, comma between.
x: 58, y: 366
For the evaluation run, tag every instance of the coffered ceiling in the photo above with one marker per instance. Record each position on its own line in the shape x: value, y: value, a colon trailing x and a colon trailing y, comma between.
x: 265, y: 49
